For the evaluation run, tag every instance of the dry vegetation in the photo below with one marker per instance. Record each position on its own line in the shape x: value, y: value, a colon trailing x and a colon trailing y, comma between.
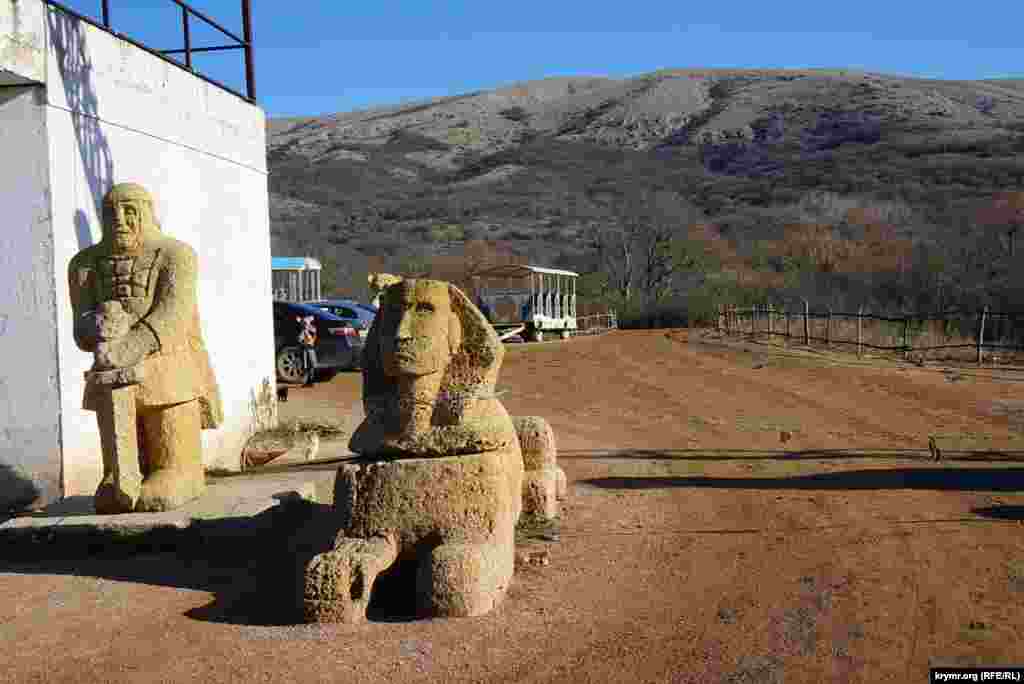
x: 677, y: 191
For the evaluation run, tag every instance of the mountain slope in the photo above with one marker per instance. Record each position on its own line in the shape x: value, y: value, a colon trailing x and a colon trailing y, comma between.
x: 518, y: 166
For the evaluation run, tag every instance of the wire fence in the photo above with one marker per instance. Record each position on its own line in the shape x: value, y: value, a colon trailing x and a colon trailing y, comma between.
x: 951, y: 335
x: 596, y: 323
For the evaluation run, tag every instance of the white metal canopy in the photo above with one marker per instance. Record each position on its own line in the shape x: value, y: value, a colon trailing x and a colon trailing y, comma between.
x: 512, y: 270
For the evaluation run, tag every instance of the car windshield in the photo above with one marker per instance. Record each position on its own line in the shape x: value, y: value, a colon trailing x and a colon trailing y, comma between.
x: 291, y: 308
x: 347, y: 308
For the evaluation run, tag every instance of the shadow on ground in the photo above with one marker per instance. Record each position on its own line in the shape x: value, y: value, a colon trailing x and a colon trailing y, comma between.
x: 1002, y: 512
x: 994, y: 455
x: 16, y: 492
x: 254, y: 579
x: 241, y: 594
x: 937, y: 479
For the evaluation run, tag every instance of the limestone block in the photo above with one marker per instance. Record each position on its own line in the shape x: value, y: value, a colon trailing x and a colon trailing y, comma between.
x: 464, y: 498
x: 540, y: 493
x: 543, y: 481
x: 537, y: 441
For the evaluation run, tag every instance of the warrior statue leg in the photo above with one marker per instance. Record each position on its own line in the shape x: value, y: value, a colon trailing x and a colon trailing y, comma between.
x: 119, y: 438
x: 172, y: 451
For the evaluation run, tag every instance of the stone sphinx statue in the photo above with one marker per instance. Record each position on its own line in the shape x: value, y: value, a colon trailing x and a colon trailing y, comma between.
x: 439, y: 478
x: 151, y: 385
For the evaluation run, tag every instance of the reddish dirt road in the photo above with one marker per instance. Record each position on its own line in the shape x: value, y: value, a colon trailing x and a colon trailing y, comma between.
x: 695, y: 546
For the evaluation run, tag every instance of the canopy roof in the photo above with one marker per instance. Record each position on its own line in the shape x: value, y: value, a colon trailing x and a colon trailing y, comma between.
x: 294, y: 264
x: 513, y: 270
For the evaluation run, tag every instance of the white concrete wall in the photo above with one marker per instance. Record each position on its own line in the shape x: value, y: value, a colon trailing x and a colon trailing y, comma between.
x: 30, y: 462
x: 114, y: 113
x: 22, y: 41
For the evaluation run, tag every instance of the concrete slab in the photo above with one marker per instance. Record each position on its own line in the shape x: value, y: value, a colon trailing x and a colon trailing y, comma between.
x: 233, y: 508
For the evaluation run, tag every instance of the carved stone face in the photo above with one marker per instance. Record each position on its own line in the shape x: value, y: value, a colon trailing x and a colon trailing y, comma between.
x: 414, y: 335
x: 127, y: 216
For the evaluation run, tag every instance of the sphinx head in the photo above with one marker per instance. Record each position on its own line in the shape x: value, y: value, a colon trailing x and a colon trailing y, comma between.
x: 418, y: 329
x: 429, y: 340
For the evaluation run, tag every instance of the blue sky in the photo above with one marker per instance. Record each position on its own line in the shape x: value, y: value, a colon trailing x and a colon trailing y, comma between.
x: 318, y: 57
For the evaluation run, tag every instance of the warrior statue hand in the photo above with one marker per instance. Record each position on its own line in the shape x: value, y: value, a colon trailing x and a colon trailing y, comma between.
x: 120, y: 353
x: 112, y: 321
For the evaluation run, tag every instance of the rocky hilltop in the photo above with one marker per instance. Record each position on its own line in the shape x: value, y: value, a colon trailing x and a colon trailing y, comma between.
x: 518, y: 165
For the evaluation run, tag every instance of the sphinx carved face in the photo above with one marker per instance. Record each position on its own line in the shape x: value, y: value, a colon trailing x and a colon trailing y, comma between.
x: 415, y: 336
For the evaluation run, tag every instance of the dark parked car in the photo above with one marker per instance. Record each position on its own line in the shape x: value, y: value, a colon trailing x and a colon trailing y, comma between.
x: 360, y: 315
x: 338, y: 345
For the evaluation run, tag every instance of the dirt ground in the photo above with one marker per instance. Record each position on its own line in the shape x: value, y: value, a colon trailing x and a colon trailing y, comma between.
x: 737, y: 513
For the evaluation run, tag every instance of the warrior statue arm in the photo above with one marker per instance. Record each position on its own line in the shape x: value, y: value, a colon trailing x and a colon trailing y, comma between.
x: 173, y: 303
x: 83, y: 304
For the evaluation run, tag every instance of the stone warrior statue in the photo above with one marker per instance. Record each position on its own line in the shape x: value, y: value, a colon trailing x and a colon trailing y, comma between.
x: 151, y: 384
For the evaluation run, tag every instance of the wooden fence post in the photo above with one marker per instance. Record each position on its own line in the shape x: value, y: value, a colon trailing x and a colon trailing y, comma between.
x: 828, y: 327
x: 860, y: 337
x: 981, y: 332
x: 906, y: 337
x: 718, y: 321
x: 771, y: 321
x: 807, y: 324
x: 786, y: 314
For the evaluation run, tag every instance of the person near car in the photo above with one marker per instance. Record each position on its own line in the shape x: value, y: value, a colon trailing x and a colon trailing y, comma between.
x: 307, y: 340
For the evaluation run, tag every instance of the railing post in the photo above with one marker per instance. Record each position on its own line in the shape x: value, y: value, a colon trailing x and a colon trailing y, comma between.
x: 860, y: 337
x: 105, y: 8
x: 807, y: 323
x: 188, y: 37
x: 771, y: 321
x: 720, y: 321
x: 981, y: 332
x: 828, y: 327
x: 786, y: 314
x: 250, y: 72
x: 906, y: 337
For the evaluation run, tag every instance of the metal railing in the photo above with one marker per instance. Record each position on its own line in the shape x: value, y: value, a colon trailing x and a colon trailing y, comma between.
x: 951, y: 333
x: 596, y: 323
x: 244, y: 43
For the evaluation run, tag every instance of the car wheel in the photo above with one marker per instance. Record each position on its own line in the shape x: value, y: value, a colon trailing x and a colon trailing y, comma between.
x: 290, y: 366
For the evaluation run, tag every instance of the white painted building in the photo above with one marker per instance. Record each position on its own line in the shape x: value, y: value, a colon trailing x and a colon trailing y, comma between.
x: 80, y: 110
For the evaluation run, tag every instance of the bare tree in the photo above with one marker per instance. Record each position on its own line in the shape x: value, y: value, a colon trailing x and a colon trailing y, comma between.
x: 1006, y: 212
x: 615, y: 242
x: 640, y: 250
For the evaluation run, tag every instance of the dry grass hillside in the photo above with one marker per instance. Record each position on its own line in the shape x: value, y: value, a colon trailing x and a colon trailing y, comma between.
x: 817, y: 181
